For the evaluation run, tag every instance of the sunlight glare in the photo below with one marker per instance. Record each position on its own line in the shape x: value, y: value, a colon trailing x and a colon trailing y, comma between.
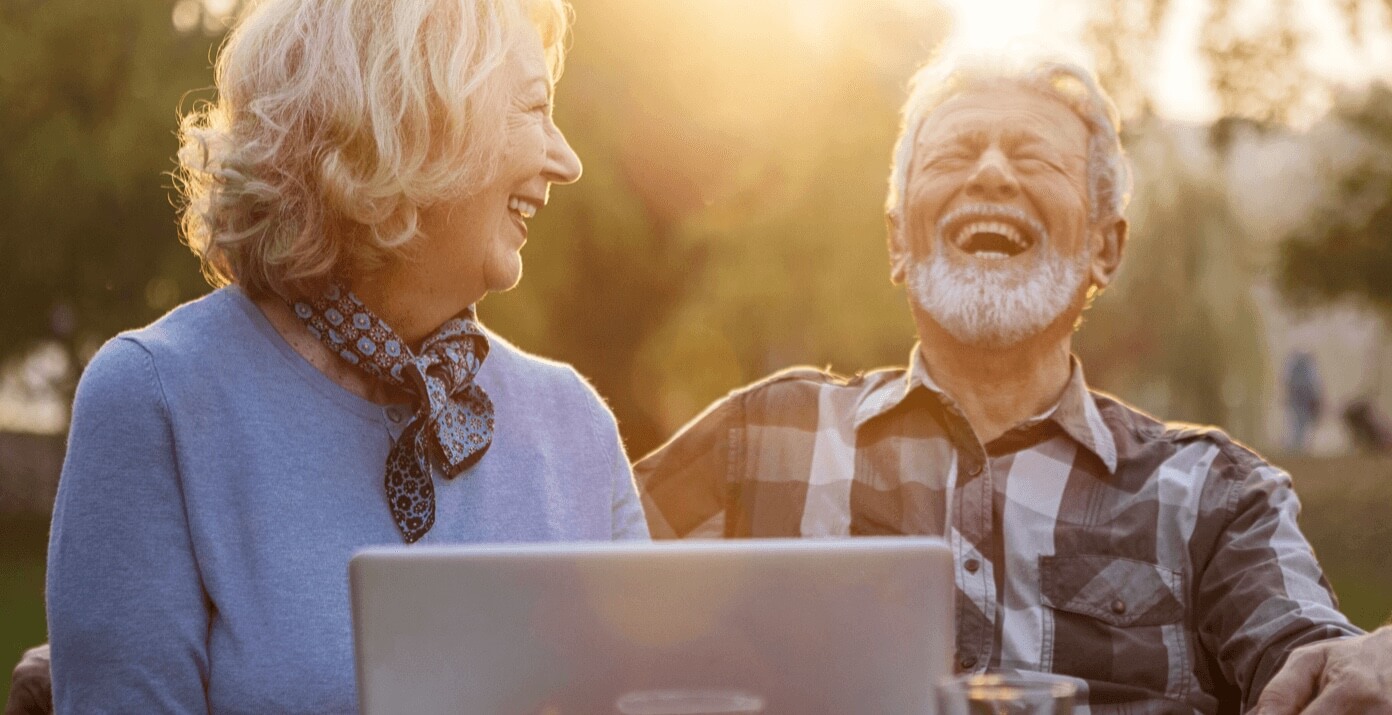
x: 985, y: 25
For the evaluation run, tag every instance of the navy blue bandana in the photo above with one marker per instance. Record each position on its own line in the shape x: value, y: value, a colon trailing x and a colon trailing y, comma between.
x: 453, y: 421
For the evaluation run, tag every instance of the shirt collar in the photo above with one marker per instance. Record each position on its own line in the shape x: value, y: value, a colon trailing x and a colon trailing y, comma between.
x: 1075, y: 413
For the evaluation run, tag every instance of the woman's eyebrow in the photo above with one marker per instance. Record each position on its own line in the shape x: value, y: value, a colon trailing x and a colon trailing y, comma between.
x: 538, y: 83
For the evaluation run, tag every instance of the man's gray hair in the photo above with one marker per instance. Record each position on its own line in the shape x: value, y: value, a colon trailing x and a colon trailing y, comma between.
x: 1109, y: 171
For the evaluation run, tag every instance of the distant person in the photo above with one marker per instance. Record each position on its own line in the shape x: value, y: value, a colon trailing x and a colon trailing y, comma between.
x: 364, y: 179
x: 1159, y: 565
x: 1304, y: 399
x: 1369, y: 425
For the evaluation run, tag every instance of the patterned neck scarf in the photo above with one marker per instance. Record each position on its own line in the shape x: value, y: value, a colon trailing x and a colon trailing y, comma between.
x: 453, y: 420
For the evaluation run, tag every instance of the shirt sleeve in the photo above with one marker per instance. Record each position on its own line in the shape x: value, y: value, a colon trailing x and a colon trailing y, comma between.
x: 1263, y: 594
x: 127, y: 613
x: 685, y: 482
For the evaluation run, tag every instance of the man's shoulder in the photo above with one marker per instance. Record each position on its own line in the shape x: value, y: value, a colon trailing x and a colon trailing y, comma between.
x: 1141, y: 436
x: 803, y: 387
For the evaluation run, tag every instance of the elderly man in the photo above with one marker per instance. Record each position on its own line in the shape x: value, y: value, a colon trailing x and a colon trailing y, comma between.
x: 1158, y: 564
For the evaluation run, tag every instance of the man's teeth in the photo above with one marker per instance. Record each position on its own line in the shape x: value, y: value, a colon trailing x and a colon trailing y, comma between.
x: 525, y: 209
x: 991, y: 255
x: 996, y: 227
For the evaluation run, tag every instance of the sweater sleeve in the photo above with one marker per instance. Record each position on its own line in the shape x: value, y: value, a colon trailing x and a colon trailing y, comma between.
x: 127, y: 613
x: 627, y: 512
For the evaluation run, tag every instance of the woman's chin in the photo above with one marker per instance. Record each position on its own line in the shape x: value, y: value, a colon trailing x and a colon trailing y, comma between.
x: 503, y: 274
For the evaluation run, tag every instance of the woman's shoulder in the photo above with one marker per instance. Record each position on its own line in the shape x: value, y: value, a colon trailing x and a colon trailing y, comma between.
x: 203, y: 336
x: 525, y: 373
x: 206, y: 323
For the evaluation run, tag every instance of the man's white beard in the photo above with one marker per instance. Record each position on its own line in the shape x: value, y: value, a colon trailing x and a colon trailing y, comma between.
x: 977, y: 305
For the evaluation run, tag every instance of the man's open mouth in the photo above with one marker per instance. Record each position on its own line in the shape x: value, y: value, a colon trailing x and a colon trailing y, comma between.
x: 990, y: 232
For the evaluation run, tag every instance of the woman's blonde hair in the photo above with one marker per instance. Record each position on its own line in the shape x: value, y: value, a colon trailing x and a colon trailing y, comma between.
x: 336, y: 122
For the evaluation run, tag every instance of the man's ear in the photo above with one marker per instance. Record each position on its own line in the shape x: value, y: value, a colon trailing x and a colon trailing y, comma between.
x: 1109, y: 243
x: 898, y: 247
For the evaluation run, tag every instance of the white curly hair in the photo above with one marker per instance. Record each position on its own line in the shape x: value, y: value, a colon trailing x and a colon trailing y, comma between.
x: 336, y: 122
x: 1046, y: 72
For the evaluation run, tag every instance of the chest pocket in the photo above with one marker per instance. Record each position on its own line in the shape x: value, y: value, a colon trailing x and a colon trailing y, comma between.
x: 1117, y: 591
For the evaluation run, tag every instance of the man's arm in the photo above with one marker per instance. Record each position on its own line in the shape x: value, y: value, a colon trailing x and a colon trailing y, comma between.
x: 1352, y: 675
x: 684, y: 483
x: 1262, y: 594
x: 31, y: 690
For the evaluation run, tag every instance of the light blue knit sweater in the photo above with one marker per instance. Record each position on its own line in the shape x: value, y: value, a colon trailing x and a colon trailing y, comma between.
x: 216, y: 485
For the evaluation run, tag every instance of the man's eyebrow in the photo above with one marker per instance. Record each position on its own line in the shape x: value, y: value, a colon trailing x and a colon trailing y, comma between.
x: 971, y: 138
x: 968, y: 137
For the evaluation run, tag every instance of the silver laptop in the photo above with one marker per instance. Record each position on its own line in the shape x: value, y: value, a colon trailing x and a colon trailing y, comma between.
x: 773, y: 626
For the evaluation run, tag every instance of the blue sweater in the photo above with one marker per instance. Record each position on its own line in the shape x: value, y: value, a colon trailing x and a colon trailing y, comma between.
x: 216, y: 485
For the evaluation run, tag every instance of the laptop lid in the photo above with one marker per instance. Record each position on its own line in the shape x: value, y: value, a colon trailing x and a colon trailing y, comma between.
x: 797, y: 625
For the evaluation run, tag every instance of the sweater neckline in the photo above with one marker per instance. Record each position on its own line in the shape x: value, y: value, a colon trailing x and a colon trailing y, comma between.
x: 351, y: 401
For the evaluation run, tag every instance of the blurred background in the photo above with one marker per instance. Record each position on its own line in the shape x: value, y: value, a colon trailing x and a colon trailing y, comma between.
x: 729, y: 222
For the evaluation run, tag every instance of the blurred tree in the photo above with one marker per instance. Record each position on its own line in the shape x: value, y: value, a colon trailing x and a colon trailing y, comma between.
x: 1256, y: 65
x: 1123, y: 35
x: 1345, y: 249
x: 1178, y: 333
x: 88, y: 92
x: 730, y: 219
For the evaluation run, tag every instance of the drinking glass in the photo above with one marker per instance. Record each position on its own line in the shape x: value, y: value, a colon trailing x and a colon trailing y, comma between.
x: 688, y: 702
x: 1007, y: 694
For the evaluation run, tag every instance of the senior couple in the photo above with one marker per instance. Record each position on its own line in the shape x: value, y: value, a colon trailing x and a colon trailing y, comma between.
x: 365, y: 178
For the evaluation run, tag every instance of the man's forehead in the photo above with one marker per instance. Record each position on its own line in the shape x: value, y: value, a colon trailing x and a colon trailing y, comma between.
x: 999, y: 110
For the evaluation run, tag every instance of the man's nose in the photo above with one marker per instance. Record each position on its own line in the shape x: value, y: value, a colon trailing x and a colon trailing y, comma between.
x: 993, y: 179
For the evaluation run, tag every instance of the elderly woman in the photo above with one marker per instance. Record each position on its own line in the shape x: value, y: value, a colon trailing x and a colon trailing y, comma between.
x: 363, y: 180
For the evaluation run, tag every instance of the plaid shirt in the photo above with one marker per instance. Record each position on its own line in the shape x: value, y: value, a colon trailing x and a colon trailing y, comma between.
x: 1159, y: 565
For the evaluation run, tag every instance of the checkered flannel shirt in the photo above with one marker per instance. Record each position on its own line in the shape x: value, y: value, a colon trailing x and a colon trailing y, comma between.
x: 1159, y: 565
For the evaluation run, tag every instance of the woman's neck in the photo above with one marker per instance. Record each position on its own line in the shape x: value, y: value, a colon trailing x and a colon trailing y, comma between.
x: 292, y: 329
x: 413, y: 299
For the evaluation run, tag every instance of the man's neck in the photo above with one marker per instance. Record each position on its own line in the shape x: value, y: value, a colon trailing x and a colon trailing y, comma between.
x: 998, y: 388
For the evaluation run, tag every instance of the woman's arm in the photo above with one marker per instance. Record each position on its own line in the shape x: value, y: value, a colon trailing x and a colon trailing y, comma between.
x: 127, y: 614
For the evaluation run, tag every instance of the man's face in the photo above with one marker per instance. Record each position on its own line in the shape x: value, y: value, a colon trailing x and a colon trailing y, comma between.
x: 995, y: 241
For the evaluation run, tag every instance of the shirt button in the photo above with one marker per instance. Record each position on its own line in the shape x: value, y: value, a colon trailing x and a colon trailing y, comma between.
x: 972, y: 565
x: 395, y: 415
x: 975, y: 470
x: 1118, y: 607
x: 967, y: 662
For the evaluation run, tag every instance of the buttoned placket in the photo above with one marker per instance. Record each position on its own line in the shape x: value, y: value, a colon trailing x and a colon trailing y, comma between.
x: 971, y: 535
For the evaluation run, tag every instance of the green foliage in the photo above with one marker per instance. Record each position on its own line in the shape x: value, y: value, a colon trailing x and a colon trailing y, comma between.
x: 1178, y: 333
x: 729, y: 222
x: 1345, y: 250
x: 88, y: 92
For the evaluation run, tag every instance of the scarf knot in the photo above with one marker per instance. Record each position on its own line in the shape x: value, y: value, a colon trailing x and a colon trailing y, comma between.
x: 452, y: 423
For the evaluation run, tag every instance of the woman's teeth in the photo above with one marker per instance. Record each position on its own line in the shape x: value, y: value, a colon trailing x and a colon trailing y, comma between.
x: 524, y: 208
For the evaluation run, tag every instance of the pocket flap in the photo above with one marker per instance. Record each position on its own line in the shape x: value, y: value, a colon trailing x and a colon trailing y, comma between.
x: 1118, y: 591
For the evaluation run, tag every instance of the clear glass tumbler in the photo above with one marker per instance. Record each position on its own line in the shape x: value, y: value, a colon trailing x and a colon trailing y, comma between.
x: 688, y: 702
x: 1007, y: 694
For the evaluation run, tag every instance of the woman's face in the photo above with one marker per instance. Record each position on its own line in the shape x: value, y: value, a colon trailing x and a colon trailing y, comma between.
x: 476, y: 240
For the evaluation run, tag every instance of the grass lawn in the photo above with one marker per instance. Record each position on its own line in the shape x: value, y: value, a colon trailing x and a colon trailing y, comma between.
x: 1347, y: 517
x: 22, y: 546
